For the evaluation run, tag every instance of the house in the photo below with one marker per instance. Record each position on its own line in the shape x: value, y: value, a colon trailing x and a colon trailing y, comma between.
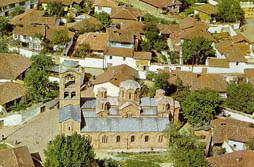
x: 67, y: 4
x: 215, y: 82
x: 97, y: 41
x: 29, y: 36
x: 231, y: 134
x: 11, y: 94
x: 243, y: 158
x: 104, y: 6
x: 13, y: 67
x: 126, y: 122
x: 112, y: 78
x: 33, y: 17
x: 125, y: 13
x: 165, y: 6
x: 8, y: 6
x: 51, y: 32
x: 248, y: 8
x: 206, y: 12
x: 19, y: 157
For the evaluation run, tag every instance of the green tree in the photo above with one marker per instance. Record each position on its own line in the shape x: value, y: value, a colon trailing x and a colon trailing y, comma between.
x: 230, y: 11
x: 55, y: 9
x: 107, y: 163
x: 200, y: 107
x: 89, y: 27
x: 69, y: 151
x: 185, y: 149
x: 38, y: 86
x: 174, y: 57
x: 83, y: 50
x: 104, y: 18
x: 250, y: 144
x: 59, y: 37
x: 161, y: 82
x: 3, y: 47
x: 17, y: 11
x: 3, y: 25
x: 241, y: 97
x: 196, y: 51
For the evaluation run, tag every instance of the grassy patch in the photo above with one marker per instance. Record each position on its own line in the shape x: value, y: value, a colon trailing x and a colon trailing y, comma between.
x: 3, y: 146
x: 144, y: 159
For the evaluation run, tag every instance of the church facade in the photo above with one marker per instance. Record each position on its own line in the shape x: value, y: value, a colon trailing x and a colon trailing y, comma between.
x: 123, y: 122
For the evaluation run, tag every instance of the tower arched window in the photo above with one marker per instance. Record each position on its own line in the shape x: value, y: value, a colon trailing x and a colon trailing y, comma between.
x: 118, y: 139
x: 66, y: 94
x: 69, y: 81
x: 129, y: 96
x: 73, y: 94
x: 104, y: 139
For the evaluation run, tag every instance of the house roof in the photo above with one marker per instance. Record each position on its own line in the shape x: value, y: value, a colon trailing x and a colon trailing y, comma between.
x: 32, y: 16
x: 127, y: 13
x: 187, y: 22
x: 142, y: 55
x: 200, y: 81
x: 207, y: 8
x: 232, y: 53
x: 29, y: 30
x: 249, y: 73
x: 16, y: 157
x: 10, y: 91
x: 132, y: 26
x: 123, y: 52
x: 168, y: 28
x: 244, y: 158
x: 105, y: 3
x: 77, y: 26
x: 64, y: 2
x: 239, y: 38
x: 125, y: 124
x: 215, y: 62
x: 230, y: 129
x: 12, y: 65
x: 196, y: 31
x: 116, y: 75
x: 70, y: 112
x: 162, y: 3
x: 97, y: 41
x: 8, y: 2
x: 123, y: 36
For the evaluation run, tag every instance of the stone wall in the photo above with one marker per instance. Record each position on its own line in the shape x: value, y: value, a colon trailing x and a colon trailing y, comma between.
x: 128, y: 140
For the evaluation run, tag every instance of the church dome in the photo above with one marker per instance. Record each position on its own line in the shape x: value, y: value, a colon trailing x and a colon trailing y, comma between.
x: 130, y: 84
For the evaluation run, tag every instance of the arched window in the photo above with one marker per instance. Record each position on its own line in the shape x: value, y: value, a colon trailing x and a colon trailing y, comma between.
x: 129, y: 96
x: 160, y: 139
x: 66, y: 94
x: 146, y: 138
x: 104, y: 139
x: 117, y: 139
x: 73, y: 94
x: 132, y: 138
x: 69, y: 81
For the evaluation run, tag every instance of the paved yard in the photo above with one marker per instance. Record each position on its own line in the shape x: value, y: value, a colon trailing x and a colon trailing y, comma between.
x: 35, y: 133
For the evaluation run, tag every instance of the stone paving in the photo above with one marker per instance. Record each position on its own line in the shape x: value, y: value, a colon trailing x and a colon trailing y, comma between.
x: 35, y: 133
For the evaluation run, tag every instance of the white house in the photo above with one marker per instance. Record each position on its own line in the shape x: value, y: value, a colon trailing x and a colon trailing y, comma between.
x: 104, y: 6
x: 8, y: 6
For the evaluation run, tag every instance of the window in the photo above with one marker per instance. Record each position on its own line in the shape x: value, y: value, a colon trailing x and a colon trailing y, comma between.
x: 129, y: 115
x: 66, y: 94
x: 12, y: 5
x: 22, y: 3
x: 104, y: 139
x: 160, y: 139
x: 110, y: 57
x: 69, y: 81
x: 124, y: 58
x: 73, y: 94
x: 146, y: 138
x: 117, y: 139
x: 123, y: 94
x: 129, y: 96
x: 132, y: 138
x: 69, y: 128
x: 237, y: 63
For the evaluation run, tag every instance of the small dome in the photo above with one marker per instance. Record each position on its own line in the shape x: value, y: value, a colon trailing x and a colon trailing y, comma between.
x: 130, y: 84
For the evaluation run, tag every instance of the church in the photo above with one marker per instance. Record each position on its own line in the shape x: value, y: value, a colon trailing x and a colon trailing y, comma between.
x: 126, y: 122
